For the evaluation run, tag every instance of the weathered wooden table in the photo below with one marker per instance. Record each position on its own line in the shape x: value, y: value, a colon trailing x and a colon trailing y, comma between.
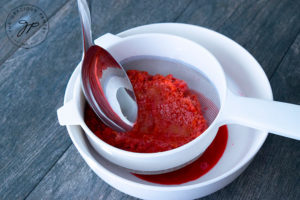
x: 37, y: 158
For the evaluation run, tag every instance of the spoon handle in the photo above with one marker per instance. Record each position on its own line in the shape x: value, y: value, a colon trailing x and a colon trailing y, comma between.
x: 85, y: 18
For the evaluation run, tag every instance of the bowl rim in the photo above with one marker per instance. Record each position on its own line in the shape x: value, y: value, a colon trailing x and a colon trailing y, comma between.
x: 156, y: 187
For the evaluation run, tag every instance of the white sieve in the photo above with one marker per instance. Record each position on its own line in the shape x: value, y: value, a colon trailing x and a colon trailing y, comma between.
x: 202, y: 72
x: 196, y: 80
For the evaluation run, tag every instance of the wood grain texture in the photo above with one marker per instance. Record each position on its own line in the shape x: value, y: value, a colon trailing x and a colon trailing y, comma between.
x: 32, y: 86
x: 49, y: 7
x: 117, y: 16
x: 265, y: 28
x: 37, y: 158
x: 267, y: 32
x: 211, y: 14
x: 286, y: 81
x: 31, y: 90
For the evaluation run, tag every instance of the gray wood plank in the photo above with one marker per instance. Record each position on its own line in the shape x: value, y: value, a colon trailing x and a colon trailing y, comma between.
x: 32, y: 85
x: 133, y: 13
x: 210, y: 14
x: 264, y: 179
x: 286, y: 80
x: 49, y: 7
x: 265, y: 28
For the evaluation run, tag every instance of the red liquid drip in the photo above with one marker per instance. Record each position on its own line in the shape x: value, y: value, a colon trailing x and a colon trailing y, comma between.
x: 196, y: 169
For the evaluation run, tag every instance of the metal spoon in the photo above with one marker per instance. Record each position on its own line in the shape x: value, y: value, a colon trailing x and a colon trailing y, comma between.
x: 104, y: 82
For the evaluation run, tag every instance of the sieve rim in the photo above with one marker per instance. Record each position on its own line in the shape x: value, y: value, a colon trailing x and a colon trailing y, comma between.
x: 190, y: 143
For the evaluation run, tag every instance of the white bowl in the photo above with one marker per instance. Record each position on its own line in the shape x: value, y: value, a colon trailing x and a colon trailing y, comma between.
x: 244, y: 76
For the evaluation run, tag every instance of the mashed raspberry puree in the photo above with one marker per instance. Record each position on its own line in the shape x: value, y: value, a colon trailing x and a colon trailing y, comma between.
x: 169, y: 116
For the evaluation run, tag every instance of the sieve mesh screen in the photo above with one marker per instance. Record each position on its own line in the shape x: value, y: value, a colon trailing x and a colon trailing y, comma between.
x: 196, y: 80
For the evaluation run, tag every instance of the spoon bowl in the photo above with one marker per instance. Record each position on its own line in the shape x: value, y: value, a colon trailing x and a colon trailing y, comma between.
x: 105, y: 84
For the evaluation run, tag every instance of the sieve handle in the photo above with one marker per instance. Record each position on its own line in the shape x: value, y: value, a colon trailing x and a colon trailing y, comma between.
x: 68, y: 114
x: 276, y: 117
